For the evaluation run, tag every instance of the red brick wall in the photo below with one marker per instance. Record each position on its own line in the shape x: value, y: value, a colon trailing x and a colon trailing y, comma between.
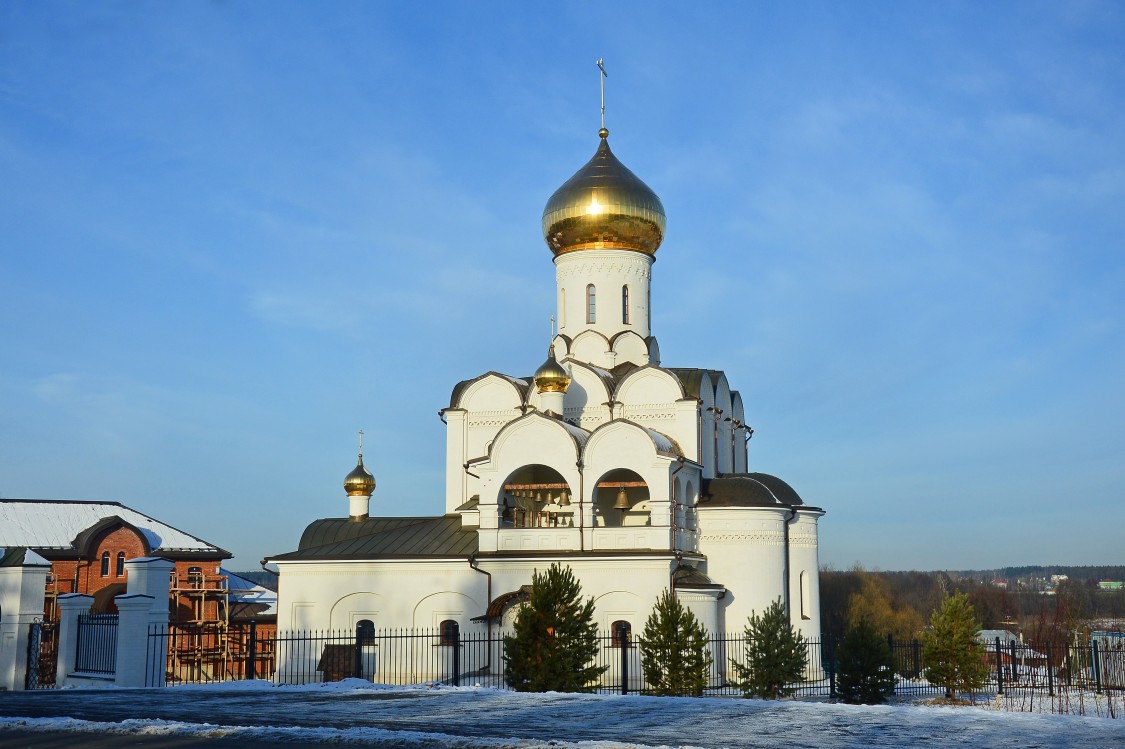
x: 84, y: 576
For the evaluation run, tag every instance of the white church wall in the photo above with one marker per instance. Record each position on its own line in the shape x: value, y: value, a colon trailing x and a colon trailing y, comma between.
x: 745, y: 549
x: 740, y: 435
x: 392, y: 594
x: 724, y: 449
x: 804, y: 579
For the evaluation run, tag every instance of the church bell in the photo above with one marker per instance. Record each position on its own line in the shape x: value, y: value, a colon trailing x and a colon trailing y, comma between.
x: 622, y: 500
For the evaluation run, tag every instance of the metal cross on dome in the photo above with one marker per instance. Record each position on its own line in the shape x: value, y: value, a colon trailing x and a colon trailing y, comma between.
x: 604, y: 75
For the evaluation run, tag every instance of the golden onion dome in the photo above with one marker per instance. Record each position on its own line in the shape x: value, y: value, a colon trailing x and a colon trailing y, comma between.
x: 360, y: 482
x: 551, y: 377
x: 604, y: 205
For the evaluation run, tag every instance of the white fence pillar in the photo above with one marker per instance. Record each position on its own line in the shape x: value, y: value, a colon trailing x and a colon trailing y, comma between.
x: 70, y: 606
x: 133, y: 612
x: 150, y: 578
x: 23, y: 579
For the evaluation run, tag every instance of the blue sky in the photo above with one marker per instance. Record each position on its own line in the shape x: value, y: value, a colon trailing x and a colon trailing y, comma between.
x: 232, y: 234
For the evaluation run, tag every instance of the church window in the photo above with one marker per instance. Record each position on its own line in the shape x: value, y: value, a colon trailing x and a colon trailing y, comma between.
x: 105, y: 564
x: 591, y: 305
x: 120, y: 564
x: 622, y: 633
x: 625, y: 304
x: 448, y: 632
x: 365, y: 632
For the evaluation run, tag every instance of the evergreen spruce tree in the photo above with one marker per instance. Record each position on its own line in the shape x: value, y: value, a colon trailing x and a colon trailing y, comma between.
x: 866, y: 666
x: 775, y: 655
x: 674, y: 650
x: 954, y: 658
x: 555, y: 637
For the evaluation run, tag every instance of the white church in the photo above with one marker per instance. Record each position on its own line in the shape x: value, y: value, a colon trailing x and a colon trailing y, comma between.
x: 633, y: 474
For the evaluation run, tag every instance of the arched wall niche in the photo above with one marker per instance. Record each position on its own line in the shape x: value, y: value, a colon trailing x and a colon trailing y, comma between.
x: 537, y: 496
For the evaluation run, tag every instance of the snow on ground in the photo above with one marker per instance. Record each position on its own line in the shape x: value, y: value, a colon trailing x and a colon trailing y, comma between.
x: 471, y: 718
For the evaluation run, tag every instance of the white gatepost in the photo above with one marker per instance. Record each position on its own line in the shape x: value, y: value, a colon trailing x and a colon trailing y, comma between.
x: 143, y: 611
x: 132, y: 639
x: 23, y: 580
x: 70, y: 606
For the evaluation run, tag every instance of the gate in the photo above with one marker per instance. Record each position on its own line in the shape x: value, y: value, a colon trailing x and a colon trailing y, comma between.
x: 42, y: 655
x: 97, y: 644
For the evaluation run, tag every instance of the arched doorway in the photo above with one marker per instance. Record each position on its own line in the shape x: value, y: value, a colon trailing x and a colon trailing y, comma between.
x: 536, y: 496
x: 621, y: 499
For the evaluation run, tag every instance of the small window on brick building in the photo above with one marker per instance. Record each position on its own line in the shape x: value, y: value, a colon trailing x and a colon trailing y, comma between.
x: 195, y: 577
x: 120, y: 564
x: 622, y: 632
x: 105, y: 564
x: 448, y: 632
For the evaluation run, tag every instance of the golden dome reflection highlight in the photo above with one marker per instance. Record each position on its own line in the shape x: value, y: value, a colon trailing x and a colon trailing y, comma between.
x: 604, y: 206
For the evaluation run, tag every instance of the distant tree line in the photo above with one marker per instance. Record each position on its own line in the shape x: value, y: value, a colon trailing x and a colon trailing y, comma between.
x: 901, y: 603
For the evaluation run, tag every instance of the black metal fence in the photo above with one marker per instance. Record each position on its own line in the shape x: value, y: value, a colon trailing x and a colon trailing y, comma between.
x: 97, y: 644
x: 180, y: 654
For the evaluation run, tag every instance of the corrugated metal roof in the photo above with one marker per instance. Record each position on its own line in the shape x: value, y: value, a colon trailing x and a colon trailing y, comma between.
x: 56, y: 523
x: 377, y: 538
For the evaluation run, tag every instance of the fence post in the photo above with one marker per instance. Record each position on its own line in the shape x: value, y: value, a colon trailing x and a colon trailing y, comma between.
x: 131, y: 664
x: 1014, y: 673
x: 455, y: 631
x: 830, y: 656
x: 917, y: 651
x: 1097, y: 668
x: 623, y: 641
x: 999, y: 669
x: 1050, y: 671
x: 252, y: 651
x: 70, y: 606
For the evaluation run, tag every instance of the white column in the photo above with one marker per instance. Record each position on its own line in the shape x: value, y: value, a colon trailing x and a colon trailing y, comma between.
x: 134, y: 611
x: 551, y: 401
x: 70, y: 606
x: 21, y: 603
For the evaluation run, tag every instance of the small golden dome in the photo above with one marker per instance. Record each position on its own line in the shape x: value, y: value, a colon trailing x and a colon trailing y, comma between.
x: 360, y: 482
x: 604, y: 205
x: 551, y: 377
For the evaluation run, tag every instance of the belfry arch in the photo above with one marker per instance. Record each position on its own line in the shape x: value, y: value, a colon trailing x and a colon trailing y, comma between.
x: 536, y: 496
x: 621, y: 499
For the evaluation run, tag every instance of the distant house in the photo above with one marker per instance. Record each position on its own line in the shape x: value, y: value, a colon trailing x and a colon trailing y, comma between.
x: 1110, y: 585
x: 1012, y: 650
x: 88, y: 543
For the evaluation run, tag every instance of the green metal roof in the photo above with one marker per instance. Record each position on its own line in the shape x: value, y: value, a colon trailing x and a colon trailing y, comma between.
x: 385, y: 538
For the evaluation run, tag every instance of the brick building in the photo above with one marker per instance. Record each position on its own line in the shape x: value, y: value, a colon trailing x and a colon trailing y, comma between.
x: 87, y: 544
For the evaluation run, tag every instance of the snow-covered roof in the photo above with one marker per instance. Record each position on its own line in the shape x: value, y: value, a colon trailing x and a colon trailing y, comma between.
x: 55, y: 524
x: 244, y: 591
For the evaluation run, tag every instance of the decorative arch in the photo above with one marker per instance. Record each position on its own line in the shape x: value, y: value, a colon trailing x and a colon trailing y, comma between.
x: 491, y: 391
x: 650, y: 384
x: 536, y: 496
x: 621, y: 499
x: 353, y: 608
x: 435, y: 608
x: 590, y: 346
x: 629, y: 346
